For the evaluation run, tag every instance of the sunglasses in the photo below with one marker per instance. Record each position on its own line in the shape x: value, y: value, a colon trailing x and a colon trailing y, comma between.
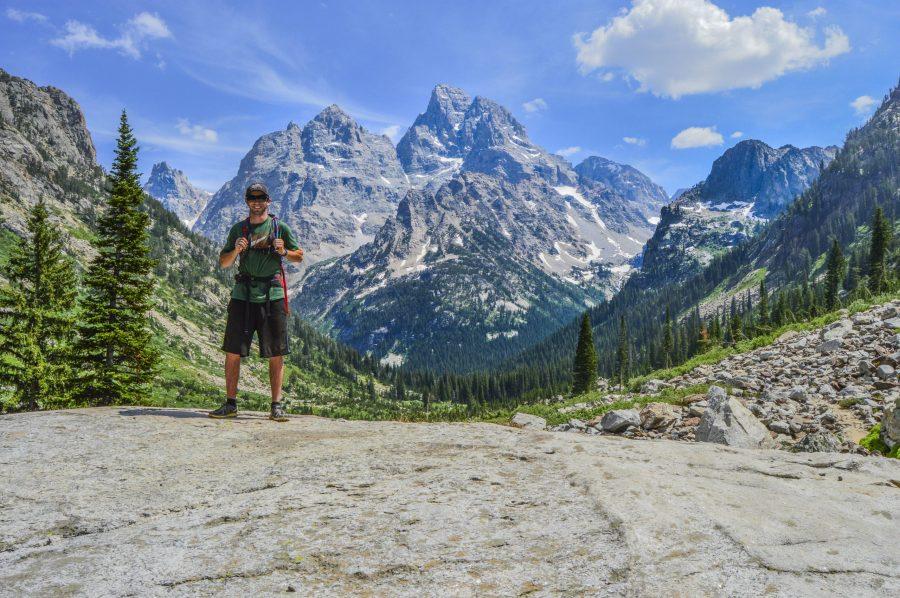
x: 257, y: 198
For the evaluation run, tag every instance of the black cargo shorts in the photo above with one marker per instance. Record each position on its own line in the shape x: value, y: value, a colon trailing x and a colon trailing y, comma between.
x: 271, y: 330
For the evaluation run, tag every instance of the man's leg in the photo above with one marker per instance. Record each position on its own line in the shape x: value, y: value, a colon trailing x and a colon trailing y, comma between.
x: 232, y: 374
x: 276, y: 375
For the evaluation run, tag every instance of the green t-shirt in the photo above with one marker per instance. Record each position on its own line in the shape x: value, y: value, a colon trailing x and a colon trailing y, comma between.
x: 264, y: 264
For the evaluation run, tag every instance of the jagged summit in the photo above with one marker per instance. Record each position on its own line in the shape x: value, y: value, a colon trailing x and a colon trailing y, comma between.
x: 172, y: 188
x: 332, y: 180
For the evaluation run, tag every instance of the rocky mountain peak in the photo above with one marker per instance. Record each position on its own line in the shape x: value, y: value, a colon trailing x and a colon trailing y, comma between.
x: 173, y: 190
x: 447, y: 106
x: 766, y: 178
x: 627, y: 181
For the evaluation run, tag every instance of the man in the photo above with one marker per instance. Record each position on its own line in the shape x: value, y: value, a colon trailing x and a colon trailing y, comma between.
x: 258, y: 301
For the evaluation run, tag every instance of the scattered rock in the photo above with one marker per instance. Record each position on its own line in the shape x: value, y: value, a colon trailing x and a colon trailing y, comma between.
x: 885, y: 372
x: 619, y: 420
x: 890, y: 427
x: 830, y: 346
x: 652, y: 387
x: 526, y: 420
x: 728, y: 422
x: 818, y: 442
x: 658, y: 415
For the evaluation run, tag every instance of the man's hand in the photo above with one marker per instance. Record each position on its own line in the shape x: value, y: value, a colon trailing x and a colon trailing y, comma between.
x: 278, y: 244
x: 241, y: 244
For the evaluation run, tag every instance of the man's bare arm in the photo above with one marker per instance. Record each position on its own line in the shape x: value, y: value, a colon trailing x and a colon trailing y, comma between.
x: 227, y: 259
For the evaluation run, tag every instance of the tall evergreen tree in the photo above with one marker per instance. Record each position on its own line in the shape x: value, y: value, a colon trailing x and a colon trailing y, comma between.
x: 622, y: 359
x: 668, y: 343
x: 881, y: 238
x: 834, y: 274
x: 585, y: 370
x: 115, y: 348
x: 763, y: 304
x: 37, y: 318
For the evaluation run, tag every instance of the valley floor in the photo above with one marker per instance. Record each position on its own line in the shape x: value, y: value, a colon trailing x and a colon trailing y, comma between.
x: 142, y: 501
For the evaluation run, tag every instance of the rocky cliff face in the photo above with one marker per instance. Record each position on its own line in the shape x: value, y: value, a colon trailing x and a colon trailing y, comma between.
x: 749, y: 184
x: 173, y: 190
x: 46, y: 152
x: 333, y: 181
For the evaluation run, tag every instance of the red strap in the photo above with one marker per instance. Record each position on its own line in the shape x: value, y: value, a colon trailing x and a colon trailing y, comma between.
x: 287, y: 306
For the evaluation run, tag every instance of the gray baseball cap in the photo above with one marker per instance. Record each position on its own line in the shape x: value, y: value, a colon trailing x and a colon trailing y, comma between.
x: 256, y: 189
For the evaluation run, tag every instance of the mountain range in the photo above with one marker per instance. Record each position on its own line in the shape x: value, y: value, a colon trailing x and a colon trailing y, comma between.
x: 748, y: 185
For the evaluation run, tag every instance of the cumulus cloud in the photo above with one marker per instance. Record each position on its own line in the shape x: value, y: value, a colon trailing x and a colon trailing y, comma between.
x: 135, y: 34
x: 535, y: 105
x: 393, y: 131
x: 692, y: 46
x: 737, y: 134
x: 569, y: 151
x: 863, y: 105
x: 23, y: 15
x: 196, y: 132
x: 697, y: 137
x: 635, y: 141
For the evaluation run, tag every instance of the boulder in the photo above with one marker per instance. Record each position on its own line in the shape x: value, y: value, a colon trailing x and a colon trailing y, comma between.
x: 838, y: 329
x: 798, y: 393
x: 885, y: 372
x: 818, y: 442
x: 526, y: 420
x: 620, y: 420
x: 890, y: 426
x: 830, y: 346
x: 727, y: 421
x: 658, y: 415
x: 652, y: 387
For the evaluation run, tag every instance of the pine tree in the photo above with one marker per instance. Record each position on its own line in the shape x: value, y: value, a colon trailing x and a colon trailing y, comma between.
x: 881, y: 237
x: 734, y: 324
x: 763, y: 306
x: 622, y: 359
x: 585, y: 369
x: 370, y: 389
x: 37, y: 319
x: 834, y: 265
x: 667, y: 340
x: 115, y: 348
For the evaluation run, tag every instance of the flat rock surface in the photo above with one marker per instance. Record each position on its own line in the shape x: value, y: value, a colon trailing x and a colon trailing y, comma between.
x: 138, y: 501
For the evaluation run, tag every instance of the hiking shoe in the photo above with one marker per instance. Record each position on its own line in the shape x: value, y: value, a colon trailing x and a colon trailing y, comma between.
x: 226, y: 410
x: 277, y: 413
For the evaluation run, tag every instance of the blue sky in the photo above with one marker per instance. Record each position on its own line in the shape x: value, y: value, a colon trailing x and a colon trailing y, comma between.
x: 662, y: 85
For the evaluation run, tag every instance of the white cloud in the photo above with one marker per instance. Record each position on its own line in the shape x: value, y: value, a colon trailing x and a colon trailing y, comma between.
x: 392, y: 131
x: 607, y: 76
x: 737, y: 134
x: 697, y: 137
x: 196, y: 132
x: 135, y: 33
x: 569, y: 151
x: 818, y: 11
x: 675, y: 48
x: 535, y: 105
x: 863, y: 105
x: 23, y: 15
x: 635, y: 141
